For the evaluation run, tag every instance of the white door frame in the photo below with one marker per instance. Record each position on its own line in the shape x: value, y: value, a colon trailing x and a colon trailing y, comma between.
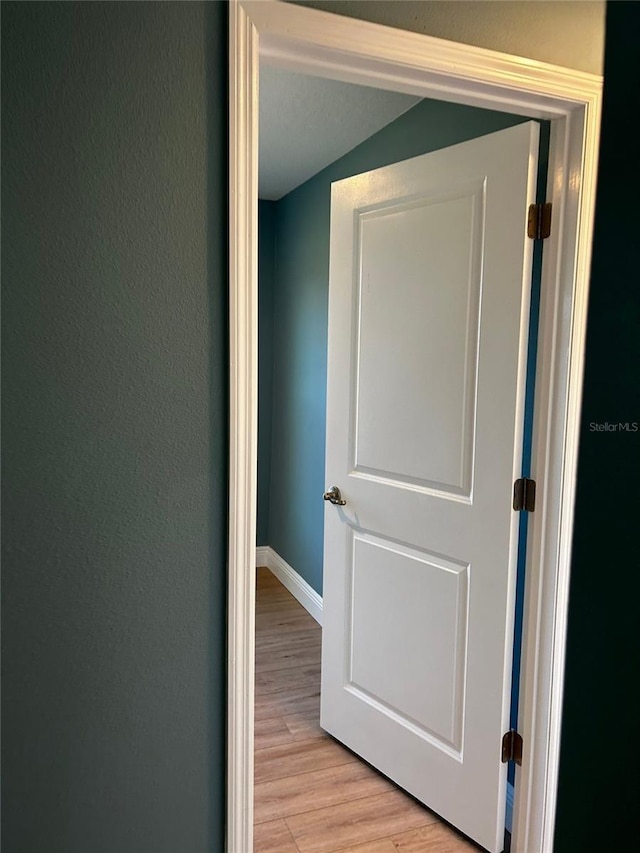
x: 308, y: 41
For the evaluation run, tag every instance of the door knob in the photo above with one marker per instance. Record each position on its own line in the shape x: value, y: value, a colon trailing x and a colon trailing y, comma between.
x: 334, y: 496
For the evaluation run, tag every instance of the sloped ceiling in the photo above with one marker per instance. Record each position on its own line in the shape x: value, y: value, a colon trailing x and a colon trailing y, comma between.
x: 308, y: 122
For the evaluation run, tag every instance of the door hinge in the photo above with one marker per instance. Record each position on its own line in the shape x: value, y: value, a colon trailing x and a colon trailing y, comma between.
x: 524, y: 495
x: 539, y: 221
x: 512, y: 747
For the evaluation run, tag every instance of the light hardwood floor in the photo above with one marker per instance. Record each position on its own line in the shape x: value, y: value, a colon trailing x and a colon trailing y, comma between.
x: 311, y: 794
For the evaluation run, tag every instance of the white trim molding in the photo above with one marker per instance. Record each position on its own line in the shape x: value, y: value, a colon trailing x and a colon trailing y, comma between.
x: 243, y: 416
x: 289, y: 578
x: 262, y: 555
x: 313, y: 42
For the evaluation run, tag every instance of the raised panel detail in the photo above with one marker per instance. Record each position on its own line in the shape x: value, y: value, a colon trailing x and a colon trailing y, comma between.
x: 412, y: 668
x: 419, y: 269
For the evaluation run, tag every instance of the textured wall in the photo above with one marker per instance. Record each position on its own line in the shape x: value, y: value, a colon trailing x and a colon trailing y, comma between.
x: 114, y: 340
x: 296, y: 510
x: 598, y: 789
x: 557, y: 31
x: 266, y: 272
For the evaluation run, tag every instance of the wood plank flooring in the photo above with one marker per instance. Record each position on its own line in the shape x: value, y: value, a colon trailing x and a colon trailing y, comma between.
x: 311, y: 794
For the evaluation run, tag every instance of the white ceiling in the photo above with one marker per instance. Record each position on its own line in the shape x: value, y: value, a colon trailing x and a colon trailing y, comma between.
x: 308, y: 122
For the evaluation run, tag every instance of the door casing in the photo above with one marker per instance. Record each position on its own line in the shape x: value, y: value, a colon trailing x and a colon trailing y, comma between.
x: 327, y: 45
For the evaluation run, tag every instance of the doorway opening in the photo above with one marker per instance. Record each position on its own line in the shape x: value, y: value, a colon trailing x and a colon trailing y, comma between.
x: 311, y: 42
x: 293, y: 286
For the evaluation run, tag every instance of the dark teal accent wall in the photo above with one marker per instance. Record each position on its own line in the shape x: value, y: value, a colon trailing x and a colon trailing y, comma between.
x: 266, y: 272
x: 296, y: 509
x: 114, y: 277
x: 299, y: 381
x: 598, y: 789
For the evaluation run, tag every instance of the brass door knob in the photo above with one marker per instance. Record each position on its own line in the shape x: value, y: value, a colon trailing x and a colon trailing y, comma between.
x: 334, y: 496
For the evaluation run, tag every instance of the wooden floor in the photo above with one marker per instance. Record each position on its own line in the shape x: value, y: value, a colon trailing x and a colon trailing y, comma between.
x: 311, y: 794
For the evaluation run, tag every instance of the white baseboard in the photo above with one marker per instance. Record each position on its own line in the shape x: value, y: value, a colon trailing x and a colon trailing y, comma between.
x: 288, y: 577
x: 262, y: 555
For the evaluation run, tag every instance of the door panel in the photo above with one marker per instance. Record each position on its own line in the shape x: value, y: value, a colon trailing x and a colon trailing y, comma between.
x: 430, y: 325
x: 428, y: 312
x: 431, y: 592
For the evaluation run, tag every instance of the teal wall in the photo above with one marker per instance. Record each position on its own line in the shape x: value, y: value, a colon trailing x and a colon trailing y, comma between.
x: 296, y: 509
x: 266, y: 272
x: 598, y: 789
x: 114, y: 431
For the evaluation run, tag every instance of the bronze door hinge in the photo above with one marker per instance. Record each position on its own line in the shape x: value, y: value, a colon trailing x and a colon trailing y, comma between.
x: 539, y: 221
x: 512, y: 747
x: 524, y: 495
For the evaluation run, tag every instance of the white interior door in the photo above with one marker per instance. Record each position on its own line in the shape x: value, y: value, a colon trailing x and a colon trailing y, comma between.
x: 428, y: 323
